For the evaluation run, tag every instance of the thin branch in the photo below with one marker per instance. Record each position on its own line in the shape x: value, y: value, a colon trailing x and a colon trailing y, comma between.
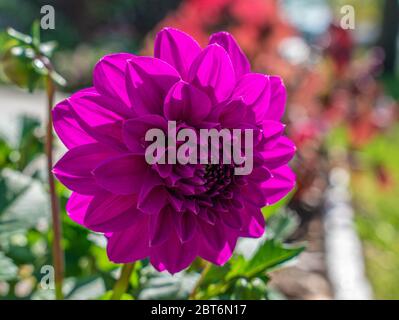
x: 122, y: 283
x: 200, y: 280
x: 58, y: 256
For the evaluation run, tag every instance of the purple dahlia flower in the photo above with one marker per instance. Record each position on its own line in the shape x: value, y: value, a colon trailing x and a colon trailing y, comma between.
x: 172, y: 213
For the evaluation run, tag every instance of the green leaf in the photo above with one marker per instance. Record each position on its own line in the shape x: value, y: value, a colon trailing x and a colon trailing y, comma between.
x: 282, y: 225
x: 17, y: 65
x: 214, y: 283
x: 8, y: 270
x: 85, y: 288
x: 23, y: 200
x: 163, y: 286
x: 269, y: 255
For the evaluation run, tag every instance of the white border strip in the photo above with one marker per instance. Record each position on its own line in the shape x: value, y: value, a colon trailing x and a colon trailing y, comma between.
x: 344, y: 257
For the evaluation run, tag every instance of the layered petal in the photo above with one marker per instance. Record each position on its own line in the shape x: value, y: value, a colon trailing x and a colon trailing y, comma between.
x: 215, y: 255
x: 176, y: 48
x: 253, y: 225
x: 185, y: 102
x: 239, y: 60
x: 77, y: 207
x: 109, y: 76
x: 280, y: 185
x: 75, y: 168
x: 96, y: 118
x: 108, y: 212
x: 131, y: 244
x: 134, y: 131
x: 212, y: 71
x: 280, y: 154
x: 255, y: 90
x: 148, y: 80
x: 122, y: 174
x: 278, y: 99
x: 272, y: 131
x: 67, y: 127
x: 173, y: 255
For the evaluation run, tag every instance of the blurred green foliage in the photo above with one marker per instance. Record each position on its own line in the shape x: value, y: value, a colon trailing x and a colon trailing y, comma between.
x: 376, y: 192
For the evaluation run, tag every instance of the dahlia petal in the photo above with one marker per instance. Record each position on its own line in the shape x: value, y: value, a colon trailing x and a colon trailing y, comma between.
x: 173, y: 255
x: 109, y: 76
x: 176, y: 201
x: 67, y: 128
x: 154, y: 201
x: 252, y: 194
x: 253, y: 225
x: 218, y: 256
x: 259, y: 174
x: 164, y: 170
x: 160, y: 227
x: 75, y: 168
x: 176, y: 48
x: 77, y: 205
x: 272, y: 131
x: 255, y: 90
x: 232, y: 218
x: 148, y: 81
x: 131, y: 244
x: 212, y: 71
x: 280, y: 154
x: 151, y: 180
x: 134, y: 131
x: 213, y: 234
x: 186, y: 102
x: 123, y: 174
x: 233, y: 114
x: 207, y: 216
x: 277, y: 100
x: 109, y: 212
x: 239, y: 60
x: 99, y: 122
x: 186, y: 224
x: 280, y: 185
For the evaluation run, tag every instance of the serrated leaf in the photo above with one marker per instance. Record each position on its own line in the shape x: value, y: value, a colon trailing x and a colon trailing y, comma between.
x: 270, y: 255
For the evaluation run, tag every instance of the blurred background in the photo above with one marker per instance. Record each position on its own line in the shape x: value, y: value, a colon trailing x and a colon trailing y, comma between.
x: 342, y: 113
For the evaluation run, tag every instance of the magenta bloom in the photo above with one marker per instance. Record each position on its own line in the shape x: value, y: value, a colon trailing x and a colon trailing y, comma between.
x: 172, y: 213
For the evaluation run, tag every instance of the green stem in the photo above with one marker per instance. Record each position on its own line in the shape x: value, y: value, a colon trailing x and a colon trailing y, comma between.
x: 200, y: 280
x: 58, y: 256
x: 123, y: 282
